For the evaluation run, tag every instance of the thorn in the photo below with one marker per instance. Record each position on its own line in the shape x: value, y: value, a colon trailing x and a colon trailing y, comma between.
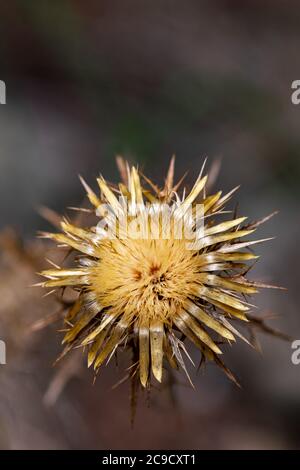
x: 52, y: 264
x: 49, y: 293
x: 50, y: 215
x: 123, y: 170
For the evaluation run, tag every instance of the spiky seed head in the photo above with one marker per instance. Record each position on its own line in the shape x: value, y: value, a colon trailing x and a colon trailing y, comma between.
x: 149, y: 285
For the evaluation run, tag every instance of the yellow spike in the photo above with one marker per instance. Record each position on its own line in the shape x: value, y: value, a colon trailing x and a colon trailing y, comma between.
x: 224, y: 226
x: 77, y: 231
x: 217, y: 281
x: 169, y: 181
x: 198, y: 186
x: 182, y: 326
x: 202, y: 316
x: 135, y: 187
x: 94, y: 200
x: 156, y: 343
x: 86, y: 317
x: 238, y: 246
x: 196, y: 328
x: 67, y: 281
x: 214, y: 294
x: 56, y: 273
x: 106, y: 320
x: 150, y: 196
x: 169, y: 353
x: 210, y: 201
x: 109, y: 195
x: 124, y: 190
x: 214, y: 239
x: 217, y: 256
x: 229, y: 310
x: 144, y: 354
x: 225, y: 198
x: 113, y: 341
x: 88, y: 249
x: 96, y: 346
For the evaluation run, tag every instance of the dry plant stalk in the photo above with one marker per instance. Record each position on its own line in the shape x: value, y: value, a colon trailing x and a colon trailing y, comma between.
x: 152, y: 294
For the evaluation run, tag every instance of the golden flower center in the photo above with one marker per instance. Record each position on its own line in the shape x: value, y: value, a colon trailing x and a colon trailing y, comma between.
x: 144, y: 279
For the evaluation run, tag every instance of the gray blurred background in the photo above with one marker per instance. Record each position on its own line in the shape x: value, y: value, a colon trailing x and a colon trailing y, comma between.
x: 87, y: 80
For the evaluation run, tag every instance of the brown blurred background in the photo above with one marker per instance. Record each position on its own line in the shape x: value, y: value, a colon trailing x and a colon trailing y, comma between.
x: 87, y: 80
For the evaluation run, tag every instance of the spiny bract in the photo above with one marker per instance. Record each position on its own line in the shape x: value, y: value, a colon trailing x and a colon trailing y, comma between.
x: 150, y: 293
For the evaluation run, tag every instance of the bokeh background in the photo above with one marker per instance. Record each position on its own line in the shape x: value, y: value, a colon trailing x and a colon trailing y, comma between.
x: 87, y: 80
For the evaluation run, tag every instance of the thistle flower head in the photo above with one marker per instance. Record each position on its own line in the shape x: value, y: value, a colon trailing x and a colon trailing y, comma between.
x: 155, y: 269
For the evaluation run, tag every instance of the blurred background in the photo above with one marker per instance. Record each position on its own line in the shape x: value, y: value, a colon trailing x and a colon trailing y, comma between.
x: 87, y: 80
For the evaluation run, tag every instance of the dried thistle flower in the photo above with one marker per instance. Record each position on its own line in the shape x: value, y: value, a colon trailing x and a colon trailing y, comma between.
x: 152, y: 293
